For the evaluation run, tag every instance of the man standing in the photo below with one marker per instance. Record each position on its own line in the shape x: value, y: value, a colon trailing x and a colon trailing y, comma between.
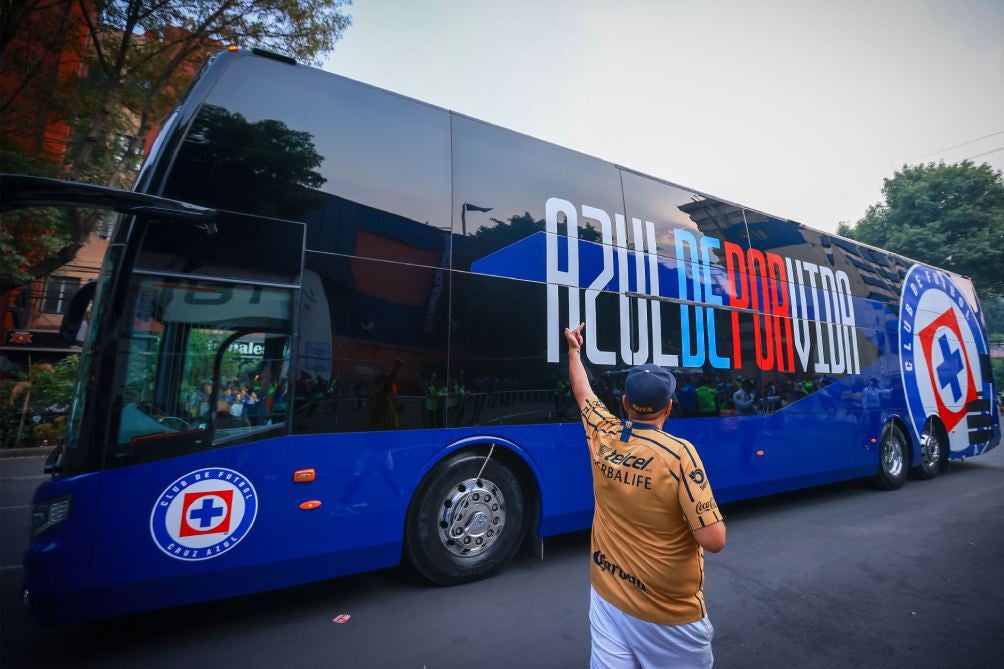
x: 745, y: 399
x: 655, y: 514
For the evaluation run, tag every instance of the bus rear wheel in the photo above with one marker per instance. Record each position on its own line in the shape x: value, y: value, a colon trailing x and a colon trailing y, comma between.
x: 892, y: 466
x: 931, y: 451
x: 462, y: 528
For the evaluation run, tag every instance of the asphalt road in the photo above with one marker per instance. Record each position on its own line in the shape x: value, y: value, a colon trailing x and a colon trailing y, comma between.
x: 836, y: 576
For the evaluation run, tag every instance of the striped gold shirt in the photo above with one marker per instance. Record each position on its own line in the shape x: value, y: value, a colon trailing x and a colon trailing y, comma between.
x: 651, y: 492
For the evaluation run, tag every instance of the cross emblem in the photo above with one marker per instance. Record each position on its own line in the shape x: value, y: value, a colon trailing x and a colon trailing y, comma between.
x: 206, y: 513
x: 950, y: 368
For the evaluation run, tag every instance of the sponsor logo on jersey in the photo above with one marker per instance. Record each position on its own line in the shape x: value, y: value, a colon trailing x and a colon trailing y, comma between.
x: 942, y: 343
x: 625, y: 476
x: 698, y: 477
x: 203, y: 514
x: 605, y: 565
x: 615, y: 457
x: 704, y: 507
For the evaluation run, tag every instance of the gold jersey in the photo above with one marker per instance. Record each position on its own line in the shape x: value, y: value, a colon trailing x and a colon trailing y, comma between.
x: 651, y: 491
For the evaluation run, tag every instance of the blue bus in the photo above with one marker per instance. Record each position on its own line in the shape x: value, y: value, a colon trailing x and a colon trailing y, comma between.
x: 326, y: 339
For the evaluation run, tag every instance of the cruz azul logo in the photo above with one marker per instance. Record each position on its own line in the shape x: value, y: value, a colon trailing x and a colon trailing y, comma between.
x: 204, y: 514
x: 800, y: 315
x: 942, y: 353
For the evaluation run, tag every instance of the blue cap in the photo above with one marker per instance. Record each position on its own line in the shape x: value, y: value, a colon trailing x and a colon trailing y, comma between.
x: 649, y: 388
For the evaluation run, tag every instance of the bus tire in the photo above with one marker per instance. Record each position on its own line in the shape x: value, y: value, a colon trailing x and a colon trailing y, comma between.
x: 893, y: 458
x: 460, y: 528
x: 932, y: 445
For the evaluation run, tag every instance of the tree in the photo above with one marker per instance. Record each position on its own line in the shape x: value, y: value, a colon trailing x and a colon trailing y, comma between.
x: 138, y: 58
x: 28, y: 235
x: 43, y: 391
x: 949, y: 216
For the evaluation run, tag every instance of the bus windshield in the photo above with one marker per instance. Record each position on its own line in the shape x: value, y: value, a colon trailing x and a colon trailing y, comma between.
x: 75, y: 453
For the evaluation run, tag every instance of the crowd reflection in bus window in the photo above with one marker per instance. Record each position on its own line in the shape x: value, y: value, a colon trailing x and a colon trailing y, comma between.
x: 382, y: 411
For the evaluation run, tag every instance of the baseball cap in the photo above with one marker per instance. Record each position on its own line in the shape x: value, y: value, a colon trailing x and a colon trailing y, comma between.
x: 649, y: 388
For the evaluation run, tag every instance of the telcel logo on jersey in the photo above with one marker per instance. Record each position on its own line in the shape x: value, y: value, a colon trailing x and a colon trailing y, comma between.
x: 204, y: 514
x: 941, y: 344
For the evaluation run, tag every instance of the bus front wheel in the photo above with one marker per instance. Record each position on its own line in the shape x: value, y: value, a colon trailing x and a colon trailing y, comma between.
x: 893, y: 459
x: 462, y: 528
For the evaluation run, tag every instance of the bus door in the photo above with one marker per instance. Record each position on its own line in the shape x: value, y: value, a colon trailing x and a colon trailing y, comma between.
x: 193, y: 482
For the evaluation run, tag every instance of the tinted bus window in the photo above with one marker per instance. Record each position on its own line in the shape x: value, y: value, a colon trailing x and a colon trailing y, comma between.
x: 295, y: 143
x: 670, y: 208
x: 372, y: 346
x: 499, y: 372
x: 202, y: 363
x: 234, y: 247
x: 502, y: 182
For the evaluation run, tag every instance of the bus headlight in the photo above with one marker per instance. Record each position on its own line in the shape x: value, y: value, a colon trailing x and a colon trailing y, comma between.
x: 49, y: 513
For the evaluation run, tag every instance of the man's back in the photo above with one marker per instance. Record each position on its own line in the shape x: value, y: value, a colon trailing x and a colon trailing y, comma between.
x: 655, y: 514
x: 651, y: 492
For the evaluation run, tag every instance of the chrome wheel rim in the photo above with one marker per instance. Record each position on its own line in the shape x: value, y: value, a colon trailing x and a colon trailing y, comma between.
x: 892, y: 456
x: 930, y: 450
x: 473, y: 517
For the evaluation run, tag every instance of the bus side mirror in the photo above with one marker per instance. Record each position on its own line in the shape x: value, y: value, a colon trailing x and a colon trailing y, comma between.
x: 75, y: 312
x: 53, y: 463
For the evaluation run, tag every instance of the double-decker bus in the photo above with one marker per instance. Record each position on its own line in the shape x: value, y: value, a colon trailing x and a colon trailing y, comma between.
x: 344, y: 350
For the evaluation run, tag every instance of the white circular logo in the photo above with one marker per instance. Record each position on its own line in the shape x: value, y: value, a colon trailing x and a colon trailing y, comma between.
x: 942, y: 343
x: 204, y: 514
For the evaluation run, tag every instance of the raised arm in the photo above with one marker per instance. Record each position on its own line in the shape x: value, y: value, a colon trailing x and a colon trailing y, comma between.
x: 576, y: 372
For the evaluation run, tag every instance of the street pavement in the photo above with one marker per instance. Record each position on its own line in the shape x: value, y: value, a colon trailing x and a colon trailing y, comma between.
x: 838, y: 576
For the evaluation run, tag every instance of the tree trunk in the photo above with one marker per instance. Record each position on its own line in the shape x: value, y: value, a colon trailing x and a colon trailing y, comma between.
x: 24, y: 415
x: 131, y: 152
x: 47, y: 266
x: 95, y: 132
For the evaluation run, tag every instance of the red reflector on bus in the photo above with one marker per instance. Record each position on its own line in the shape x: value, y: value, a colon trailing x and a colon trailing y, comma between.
x: 760, y: 453
x: 303, y: 476
x: 874, y: 440
x: 308, y: 506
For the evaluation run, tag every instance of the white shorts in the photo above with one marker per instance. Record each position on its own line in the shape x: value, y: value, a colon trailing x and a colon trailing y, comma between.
x: 621, y: 641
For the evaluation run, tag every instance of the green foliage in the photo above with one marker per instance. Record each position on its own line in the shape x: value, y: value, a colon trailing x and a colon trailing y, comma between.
x: 998, y: 367
x: 48, y: 391
x: 993, y: 315
x: 29, y: 234
x: 949, y: 216
x: 53, y: 432
x: 52, y: 385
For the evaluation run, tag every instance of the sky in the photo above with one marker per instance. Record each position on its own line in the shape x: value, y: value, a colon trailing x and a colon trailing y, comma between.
x: 798, y: 109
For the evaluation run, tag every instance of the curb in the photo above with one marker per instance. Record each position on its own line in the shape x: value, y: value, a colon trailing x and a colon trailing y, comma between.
x: 37, y: 452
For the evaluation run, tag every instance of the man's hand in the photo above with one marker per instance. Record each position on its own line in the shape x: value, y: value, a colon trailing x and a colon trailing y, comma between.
x: 576, y: 372
x: 574, y: 337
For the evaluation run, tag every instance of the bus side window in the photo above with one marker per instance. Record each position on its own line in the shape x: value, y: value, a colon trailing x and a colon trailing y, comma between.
x: 205, y: 362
